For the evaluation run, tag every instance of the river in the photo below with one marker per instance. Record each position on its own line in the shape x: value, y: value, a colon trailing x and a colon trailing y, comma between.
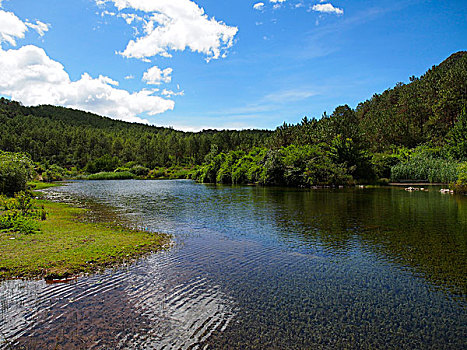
x: 260, y: 268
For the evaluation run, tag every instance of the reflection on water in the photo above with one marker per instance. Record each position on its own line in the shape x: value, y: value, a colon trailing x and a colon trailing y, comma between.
x: 261, y: 268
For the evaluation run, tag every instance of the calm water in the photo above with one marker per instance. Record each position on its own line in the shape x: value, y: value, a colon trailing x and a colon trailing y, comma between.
x: 261, y: 268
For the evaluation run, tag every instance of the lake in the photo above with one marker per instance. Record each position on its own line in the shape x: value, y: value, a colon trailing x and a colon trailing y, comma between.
x: 260, y: 268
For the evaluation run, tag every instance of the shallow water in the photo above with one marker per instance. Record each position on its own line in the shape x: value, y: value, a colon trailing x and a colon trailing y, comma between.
x: 264, y: 268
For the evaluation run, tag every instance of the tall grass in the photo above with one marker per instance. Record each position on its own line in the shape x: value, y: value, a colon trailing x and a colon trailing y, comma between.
x: 425, y: 168
x: 111, y: 176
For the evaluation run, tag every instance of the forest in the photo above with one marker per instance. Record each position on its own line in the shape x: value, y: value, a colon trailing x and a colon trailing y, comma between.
x: 412, y: 132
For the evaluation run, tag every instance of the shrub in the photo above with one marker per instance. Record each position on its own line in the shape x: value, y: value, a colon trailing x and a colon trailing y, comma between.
x: 102, y: 164
x: 457, y: 138
x: 207, y: 173
x: 23, y: 202
x: 54, y: 173
x: 348, y: 153
x: 139, y: 170
x: 157, y: 173
x: 19, y: 215
x: 14, y: 221
x: 460, y: 185
x: 272, y: 169
x: 382, y: 163
x: 224, y: 174
x: 15, y: 171
x: 248, y: 169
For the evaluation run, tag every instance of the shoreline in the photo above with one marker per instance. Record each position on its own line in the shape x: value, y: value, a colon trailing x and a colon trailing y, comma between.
x: 69, y: 245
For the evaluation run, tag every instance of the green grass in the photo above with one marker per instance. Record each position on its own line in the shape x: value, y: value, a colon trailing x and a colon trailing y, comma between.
x: 69, y: 245
x: 121, y: 175
x: 39, y: 185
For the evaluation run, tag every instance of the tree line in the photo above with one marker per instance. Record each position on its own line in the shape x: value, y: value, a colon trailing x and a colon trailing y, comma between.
x: 413, y: 131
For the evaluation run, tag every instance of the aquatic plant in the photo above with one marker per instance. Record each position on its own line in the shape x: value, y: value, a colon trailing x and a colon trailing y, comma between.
x: 425, y: 167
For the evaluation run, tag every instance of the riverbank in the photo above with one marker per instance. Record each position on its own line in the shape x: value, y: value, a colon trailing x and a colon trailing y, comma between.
x: 68, y: 244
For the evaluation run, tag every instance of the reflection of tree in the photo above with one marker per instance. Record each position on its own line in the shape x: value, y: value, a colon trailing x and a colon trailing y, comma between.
x: 425, y: 231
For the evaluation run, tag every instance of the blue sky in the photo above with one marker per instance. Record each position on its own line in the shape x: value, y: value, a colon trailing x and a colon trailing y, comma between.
x: 219, y: 64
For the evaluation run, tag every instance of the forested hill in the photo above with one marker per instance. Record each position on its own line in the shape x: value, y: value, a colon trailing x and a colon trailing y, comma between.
x: 408, y: 115
x: 421, y: 111
x: 425, y: 112
x: 74, y: 138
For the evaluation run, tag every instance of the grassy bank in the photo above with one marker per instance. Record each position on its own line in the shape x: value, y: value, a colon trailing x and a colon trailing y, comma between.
x: 68, y: 245
x: 39, y: 185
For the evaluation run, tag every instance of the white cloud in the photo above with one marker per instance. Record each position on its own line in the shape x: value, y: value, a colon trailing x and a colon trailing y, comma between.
x: 129, y: 77
x: 327, y: 8
x: 277, y: 4
x: 130, y: 17
x: 39, y: 27
x: 107, y: 13
x: 259, y: 6
x: 11, y: 27
x: 170, y: 93
x: 30, y: 76
x: 175, y: 25
x: 156, y: 76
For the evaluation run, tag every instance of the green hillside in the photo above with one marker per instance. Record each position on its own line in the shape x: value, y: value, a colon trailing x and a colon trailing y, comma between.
x: 413, y: 131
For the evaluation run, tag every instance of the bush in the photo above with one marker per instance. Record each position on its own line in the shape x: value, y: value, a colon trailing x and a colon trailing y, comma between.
x: 248, y: 169
x: 23, y: 202
x: 15, y: 171
x: 54, y: 173
x: 224, y: 174
x: 272, y: 169
x: 102, y: 164
x: 13, y: 221
x: 457, y: 138
x: 139, y: 170
x: 207, y: 173
x: 347, y: 153
x: 460, y: 185
x: 304, y: 165
x: 382, y: 164
x: 157, y: 173
x: 19, y: 214
x: 322, y: 171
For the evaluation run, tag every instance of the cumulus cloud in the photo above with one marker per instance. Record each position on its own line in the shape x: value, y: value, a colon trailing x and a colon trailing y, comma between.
x: 175, y: 25
x: 277, y: 1
x: 39, y: 27
x: 327, y: 8
x: 30, y: 76
x: 259, y: 6
x: 156, y: 76
x: 11, y: 28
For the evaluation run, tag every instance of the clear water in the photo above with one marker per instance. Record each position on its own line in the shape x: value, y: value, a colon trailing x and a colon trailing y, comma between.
x: 261, y: 268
